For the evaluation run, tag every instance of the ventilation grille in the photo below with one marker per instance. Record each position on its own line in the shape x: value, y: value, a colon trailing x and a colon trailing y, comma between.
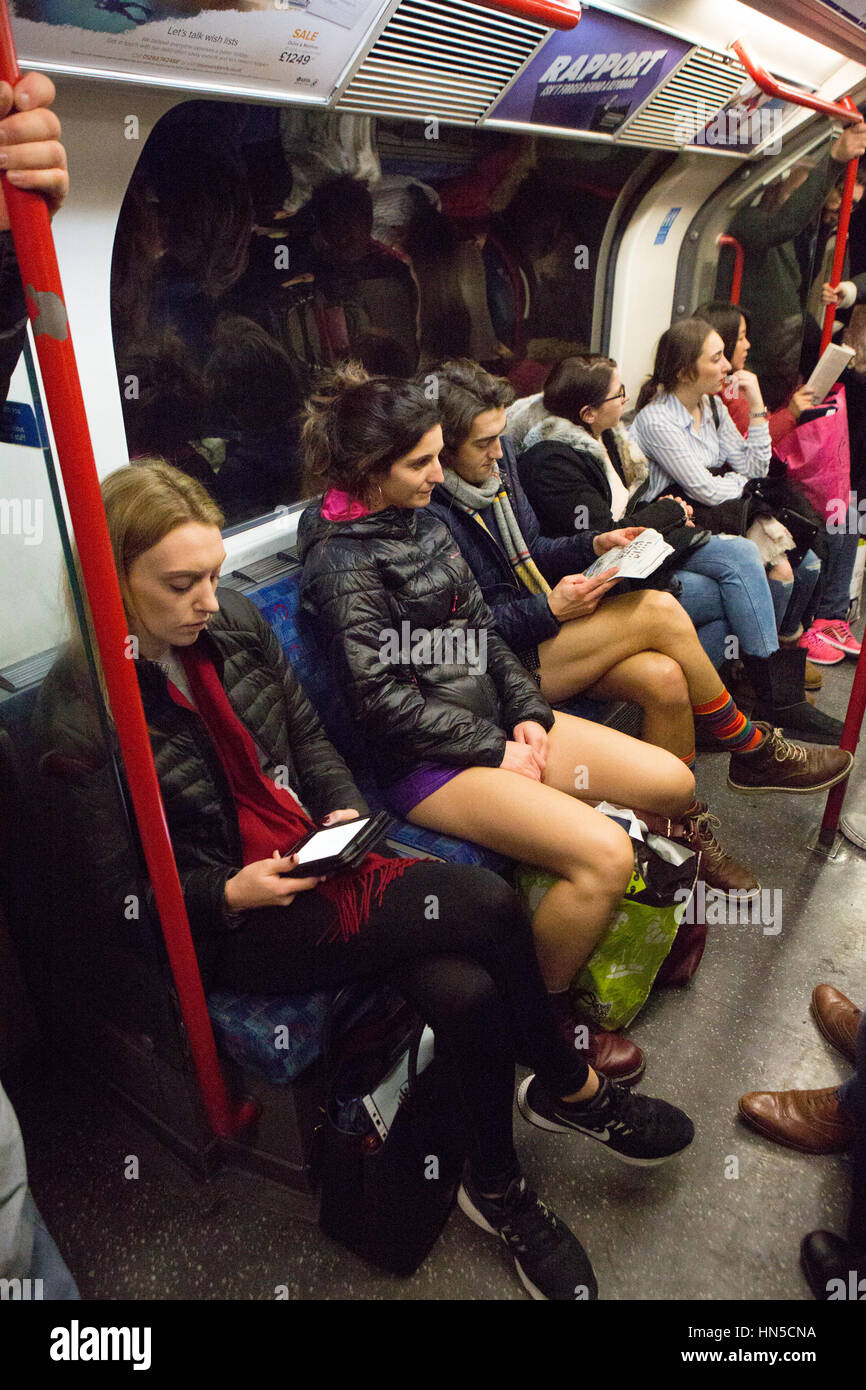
x: 688, y: 99
x: 448, y: 60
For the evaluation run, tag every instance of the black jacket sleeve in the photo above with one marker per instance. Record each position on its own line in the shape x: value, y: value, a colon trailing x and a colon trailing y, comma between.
x: 520, y: 696
x: 570, y: 552
x: 524, y: 620
x: 352, y: 610
x: 759, y: 228
x: 558, y: 483
x: 102, y: 829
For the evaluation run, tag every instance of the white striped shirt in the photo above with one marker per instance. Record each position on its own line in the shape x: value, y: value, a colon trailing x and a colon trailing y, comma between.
x: 680, y: 454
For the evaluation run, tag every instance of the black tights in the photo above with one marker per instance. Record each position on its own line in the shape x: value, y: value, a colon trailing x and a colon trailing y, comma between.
x: 457, y: 943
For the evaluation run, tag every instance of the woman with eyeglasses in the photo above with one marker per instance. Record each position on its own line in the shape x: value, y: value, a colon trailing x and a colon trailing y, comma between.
x: 575, y: 456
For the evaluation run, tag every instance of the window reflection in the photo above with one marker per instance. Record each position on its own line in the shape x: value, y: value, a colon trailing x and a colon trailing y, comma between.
x: 256, y: 245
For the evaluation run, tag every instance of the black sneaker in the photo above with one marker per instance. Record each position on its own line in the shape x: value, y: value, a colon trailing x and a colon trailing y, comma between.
x: 636, y: 1128
x: 550, y: 1260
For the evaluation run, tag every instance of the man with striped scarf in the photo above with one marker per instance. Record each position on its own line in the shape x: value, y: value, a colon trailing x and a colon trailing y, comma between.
x: 640, y: 646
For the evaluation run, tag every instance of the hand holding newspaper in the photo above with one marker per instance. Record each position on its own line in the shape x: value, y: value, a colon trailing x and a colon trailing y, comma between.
x: 636, y: 560
x: 833, y: 361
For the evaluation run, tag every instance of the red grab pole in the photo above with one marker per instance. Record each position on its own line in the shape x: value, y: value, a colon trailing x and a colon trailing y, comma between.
x: 739, y: 258
x: 555, y: 16
x: 37, y: 262
x: 843, y: 111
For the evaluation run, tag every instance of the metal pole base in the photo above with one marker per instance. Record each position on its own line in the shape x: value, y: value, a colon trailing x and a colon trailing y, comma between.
x: 828, y: 851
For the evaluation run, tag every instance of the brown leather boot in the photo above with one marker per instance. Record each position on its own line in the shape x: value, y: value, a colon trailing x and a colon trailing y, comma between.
x: 778, y: 765
x: 811, y: 1121
x: 813, y: 679
x: 837, y: 1018
x: 718, y: 869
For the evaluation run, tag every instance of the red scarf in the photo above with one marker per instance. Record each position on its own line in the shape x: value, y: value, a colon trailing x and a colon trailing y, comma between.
x: 269, y: 817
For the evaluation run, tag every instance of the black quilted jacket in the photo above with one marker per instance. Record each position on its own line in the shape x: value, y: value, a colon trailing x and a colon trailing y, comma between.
x: 202, y: 821
x: 397, y: 576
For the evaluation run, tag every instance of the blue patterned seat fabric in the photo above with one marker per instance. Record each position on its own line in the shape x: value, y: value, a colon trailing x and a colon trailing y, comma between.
x: 246, y: 1026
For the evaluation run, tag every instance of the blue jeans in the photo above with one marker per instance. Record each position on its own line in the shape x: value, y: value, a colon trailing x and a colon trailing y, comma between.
x: 724, y: 587
x: 806, y: 577
x: 853, y: 1096
x: 837, y: 575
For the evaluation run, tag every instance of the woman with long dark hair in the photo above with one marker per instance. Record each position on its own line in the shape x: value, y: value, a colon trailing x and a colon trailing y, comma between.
x: 818, y: 611
x: 245, y: 772
x: 695, y: 448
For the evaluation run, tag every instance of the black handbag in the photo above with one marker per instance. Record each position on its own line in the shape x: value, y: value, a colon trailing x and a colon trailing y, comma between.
x: 666, y: 516
x: 387, y: 1192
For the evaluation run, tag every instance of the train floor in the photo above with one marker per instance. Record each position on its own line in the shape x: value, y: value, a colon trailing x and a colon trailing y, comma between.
x: 723, y: 1221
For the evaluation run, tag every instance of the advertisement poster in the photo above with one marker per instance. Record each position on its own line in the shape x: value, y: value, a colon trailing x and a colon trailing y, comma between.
x: 594, y: 77
x: 297, y: 47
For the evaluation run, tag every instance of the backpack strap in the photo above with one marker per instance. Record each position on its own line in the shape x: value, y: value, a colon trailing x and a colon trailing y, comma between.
x: 714, y: 409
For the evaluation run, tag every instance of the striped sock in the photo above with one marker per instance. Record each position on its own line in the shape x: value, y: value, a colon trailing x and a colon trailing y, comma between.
x: 689, y: 760
x: 725, y: 722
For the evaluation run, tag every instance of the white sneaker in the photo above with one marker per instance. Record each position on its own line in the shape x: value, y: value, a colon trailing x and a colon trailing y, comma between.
x: 853, y: 827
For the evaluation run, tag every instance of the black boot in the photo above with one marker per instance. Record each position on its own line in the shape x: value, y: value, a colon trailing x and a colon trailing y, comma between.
x: 779, y: 682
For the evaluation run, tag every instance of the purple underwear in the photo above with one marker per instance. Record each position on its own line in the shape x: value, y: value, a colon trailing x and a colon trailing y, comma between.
x: 404, y: 795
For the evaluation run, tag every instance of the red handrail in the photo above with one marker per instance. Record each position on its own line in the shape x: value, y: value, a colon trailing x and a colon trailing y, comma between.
x: 843, y: 111
x: 739, y: 257
x: 37, y: 262
x: 547, y: 12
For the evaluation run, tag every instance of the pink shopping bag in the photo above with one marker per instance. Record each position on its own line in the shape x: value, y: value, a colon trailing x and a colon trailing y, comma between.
x: 818, y: 455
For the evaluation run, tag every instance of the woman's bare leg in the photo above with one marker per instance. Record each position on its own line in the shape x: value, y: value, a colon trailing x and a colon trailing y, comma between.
x: 585, y: 649
x: 543, y: 823
x: 535, y: 823
x: 601, y: 764
x: 658, y: 685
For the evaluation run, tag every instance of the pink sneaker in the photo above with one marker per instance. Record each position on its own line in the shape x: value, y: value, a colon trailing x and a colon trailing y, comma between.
x: 838, y: 634
x: 820, y: 652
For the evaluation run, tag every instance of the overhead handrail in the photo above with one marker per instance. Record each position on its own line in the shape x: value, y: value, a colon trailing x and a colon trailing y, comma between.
x: 739, y: 258
x: 843, y: 111
x: 548, y: 12
x: 40, y: 276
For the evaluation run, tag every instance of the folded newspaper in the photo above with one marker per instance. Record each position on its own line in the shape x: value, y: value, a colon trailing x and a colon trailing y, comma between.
x: 831, y: 365
x: 635, y: 560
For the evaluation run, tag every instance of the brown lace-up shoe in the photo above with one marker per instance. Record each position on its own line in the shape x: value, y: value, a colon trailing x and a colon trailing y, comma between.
x: 811, y: 1121
x: 837, y: 1018
x: 718, y: 868
x: 610, y: 1054
x: 778, y: 765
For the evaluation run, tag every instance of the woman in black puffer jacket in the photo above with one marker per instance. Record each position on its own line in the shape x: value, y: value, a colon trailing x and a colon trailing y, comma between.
x: 460, y: 732
x: 240, y: 755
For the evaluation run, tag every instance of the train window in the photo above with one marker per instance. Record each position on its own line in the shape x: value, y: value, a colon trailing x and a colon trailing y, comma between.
x: 256, y: 245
